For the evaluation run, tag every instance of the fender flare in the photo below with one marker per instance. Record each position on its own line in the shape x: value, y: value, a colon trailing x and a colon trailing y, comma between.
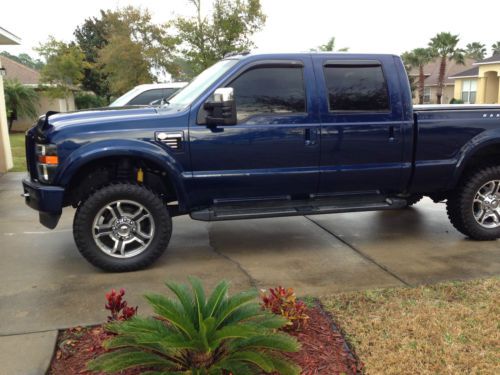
x: 471, y: 148
x: 125, y: 148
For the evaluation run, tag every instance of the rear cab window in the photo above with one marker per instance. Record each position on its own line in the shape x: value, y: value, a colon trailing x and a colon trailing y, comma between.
x: 356, y: 87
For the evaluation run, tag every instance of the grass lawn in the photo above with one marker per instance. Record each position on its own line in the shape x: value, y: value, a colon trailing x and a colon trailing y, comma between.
x: 17, y: 145
x: 449, y: 328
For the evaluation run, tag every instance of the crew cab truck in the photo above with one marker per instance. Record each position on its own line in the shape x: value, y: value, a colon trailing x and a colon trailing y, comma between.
x: 262, y: 135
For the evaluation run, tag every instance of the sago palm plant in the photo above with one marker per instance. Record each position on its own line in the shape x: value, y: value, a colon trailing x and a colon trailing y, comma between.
x: 199, y: 335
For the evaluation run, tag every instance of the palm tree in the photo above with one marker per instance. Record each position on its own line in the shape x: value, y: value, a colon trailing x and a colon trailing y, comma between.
x: 418, y: 58
x: 330, y: 47
x: 20, y: 101
x: 475, y: 50
x: 444, y: 46
x: 496, y: 48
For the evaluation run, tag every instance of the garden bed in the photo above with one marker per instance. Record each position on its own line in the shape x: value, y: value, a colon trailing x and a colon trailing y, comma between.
x: 324, y: 349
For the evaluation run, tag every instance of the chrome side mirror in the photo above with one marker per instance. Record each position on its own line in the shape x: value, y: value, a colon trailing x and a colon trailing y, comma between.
x: 221, y: 108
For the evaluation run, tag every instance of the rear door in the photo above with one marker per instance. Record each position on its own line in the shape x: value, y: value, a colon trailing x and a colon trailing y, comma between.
x: 273, y: 151
x: 362, y: 137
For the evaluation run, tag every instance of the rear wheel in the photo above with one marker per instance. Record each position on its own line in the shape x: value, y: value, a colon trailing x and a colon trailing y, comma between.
x: 122, y: 227
x: 474, y: 207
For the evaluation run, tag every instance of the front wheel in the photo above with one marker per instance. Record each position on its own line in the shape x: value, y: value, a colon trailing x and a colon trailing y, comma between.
x: 122, y: 227
x: 474, y: 207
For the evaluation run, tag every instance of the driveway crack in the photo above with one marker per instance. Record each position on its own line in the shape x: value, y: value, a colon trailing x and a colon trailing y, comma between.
x: 360, y: 253
x: 253, y: 282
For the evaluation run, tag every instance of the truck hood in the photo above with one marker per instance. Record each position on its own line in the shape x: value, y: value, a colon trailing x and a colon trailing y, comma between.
x: 99, y: 115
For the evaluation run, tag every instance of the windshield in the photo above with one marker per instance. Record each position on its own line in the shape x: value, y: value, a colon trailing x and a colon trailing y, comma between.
x: 198, y: 85
x: 125, y: 98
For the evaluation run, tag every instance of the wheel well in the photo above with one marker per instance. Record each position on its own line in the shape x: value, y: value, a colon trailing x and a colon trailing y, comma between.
x: 486, y: 157
x: 104, y: 171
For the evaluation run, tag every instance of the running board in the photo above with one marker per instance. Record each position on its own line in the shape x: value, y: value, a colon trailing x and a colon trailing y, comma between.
x: 295, y: 208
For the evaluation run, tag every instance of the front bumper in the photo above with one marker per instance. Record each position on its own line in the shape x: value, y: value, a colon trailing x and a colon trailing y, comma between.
x: 48, y: 200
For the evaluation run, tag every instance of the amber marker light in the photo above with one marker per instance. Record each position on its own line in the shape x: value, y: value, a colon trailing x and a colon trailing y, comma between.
x: 48, y: 159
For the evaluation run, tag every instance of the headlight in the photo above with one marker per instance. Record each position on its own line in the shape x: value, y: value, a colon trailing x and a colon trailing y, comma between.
x: 46, y: 161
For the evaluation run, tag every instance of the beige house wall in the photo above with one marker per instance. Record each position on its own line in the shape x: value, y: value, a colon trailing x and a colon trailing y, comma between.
x: 448, y: 94
x: 46, y: 104
x: 488, y: 84
x: 457, y: 93
x: 5, y: 151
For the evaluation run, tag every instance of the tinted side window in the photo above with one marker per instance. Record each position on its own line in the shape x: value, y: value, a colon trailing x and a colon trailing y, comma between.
x: 356, y: 88
x: 147, y: 97
x: 269, y: 90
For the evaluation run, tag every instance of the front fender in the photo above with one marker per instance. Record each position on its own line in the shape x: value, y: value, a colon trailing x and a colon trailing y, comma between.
x: 477, y: 144
x: 125, y: 148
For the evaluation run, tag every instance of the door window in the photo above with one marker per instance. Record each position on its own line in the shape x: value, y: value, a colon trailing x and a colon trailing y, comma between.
x: 356, y: 88
x: 269, y: 90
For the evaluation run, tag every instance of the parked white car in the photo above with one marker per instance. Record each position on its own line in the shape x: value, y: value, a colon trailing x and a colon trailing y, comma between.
x: 148, y: 93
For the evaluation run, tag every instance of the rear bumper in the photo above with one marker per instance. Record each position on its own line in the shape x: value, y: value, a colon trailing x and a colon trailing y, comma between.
x: 48, y: 200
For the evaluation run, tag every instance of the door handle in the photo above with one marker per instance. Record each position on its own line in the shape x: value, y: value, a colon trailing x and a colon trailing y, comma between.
x: 310, y: 137
x: 391, y: 134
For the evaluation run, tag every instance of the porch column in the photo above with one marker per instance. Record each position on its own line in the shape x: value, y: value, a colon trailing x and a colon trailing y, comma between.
x: 5, y: 151
x: 498, y: 99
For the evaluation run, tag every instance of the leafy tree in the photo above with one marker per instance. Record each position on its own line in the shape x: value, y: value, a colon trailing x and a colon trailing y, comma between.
x: 475, y: 50
x: 444, y: 46
x: 20, y: 101
x: 25, y: 59
x: 198, y: 335
x: 84, y: 100
x: 417, y: 59
x: 330, y: 47
x: 207, y: 39
x: 134, y: 50
x: 64, y: 66
x: 91, y: 37
x: 496, y: 48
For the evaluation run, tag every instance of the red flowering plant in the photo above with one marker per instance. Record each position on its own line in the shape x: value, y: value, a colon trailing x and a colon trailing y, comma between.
x: 284, y: 302
x: 118, y: 306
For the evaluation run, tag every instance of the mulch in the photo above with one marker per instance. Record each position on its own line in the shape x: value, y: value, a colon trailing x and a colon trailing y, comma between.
x: 324, y: 349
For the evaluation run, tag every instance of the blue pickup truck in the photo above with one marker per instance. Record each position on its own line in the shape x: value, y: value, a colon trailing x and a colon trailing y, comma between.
x: 262, y: 135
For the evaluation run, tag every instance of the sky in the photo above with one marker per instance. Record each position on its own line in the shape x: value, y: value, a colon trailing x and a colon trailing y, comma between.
x: 384, y: 26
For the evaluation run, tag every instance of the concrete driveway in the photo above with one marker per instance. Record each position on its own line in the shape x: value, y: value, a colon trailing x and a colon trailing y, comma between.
x: 47, y: 285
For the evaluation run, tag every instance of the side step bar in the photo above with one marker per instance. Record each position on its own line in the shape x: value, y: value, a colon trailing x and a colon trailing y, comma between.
x: 291, y: 208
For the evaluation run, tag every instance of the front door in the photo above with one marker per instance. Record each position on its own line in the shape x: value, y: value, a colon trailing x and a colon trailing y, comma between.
x: 273, y: 151
x: 362, y: 128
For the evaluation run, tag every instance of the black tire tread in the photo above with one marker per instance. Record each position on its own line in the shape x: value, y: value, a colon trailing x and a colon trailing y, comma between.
x: 458, y: 204
x: 83, y: 215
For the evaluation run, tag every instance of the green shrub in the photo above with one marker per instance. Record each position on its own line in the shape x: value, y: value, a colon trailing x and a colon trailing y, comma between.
x: 199, y: 335
x: 456, y: 101
x: 85, y: 100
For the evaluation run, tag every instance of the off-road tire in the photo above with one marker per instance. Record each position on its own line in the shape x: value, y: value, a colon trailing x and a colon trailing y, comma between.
x: 459, y: 205
x: 87, y: 211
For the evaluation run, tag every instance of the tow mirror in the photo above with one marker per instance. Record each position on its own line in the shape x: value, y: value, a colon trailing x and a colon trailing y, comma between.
x: 221, y: 108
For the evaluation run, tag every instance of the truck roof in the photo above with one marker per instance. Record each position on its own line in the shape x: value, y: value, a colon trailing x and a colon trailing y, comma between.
x: 271, y: 55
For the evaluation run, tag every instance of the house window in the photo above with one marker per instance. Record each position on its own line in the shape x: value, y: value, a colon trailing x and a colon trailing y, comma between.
x: 469, y: 88
x: 427, y: 95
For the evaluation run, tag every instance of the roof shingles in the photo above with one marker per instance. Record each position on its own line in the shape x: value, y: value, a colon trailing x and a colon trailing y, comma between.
x: 20, y: 72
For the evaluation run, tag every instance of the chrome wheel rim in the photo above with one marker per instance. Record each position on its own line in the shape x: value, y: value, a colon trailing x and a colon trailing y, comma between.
x: 486, y: 205
x: 123, y: 229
